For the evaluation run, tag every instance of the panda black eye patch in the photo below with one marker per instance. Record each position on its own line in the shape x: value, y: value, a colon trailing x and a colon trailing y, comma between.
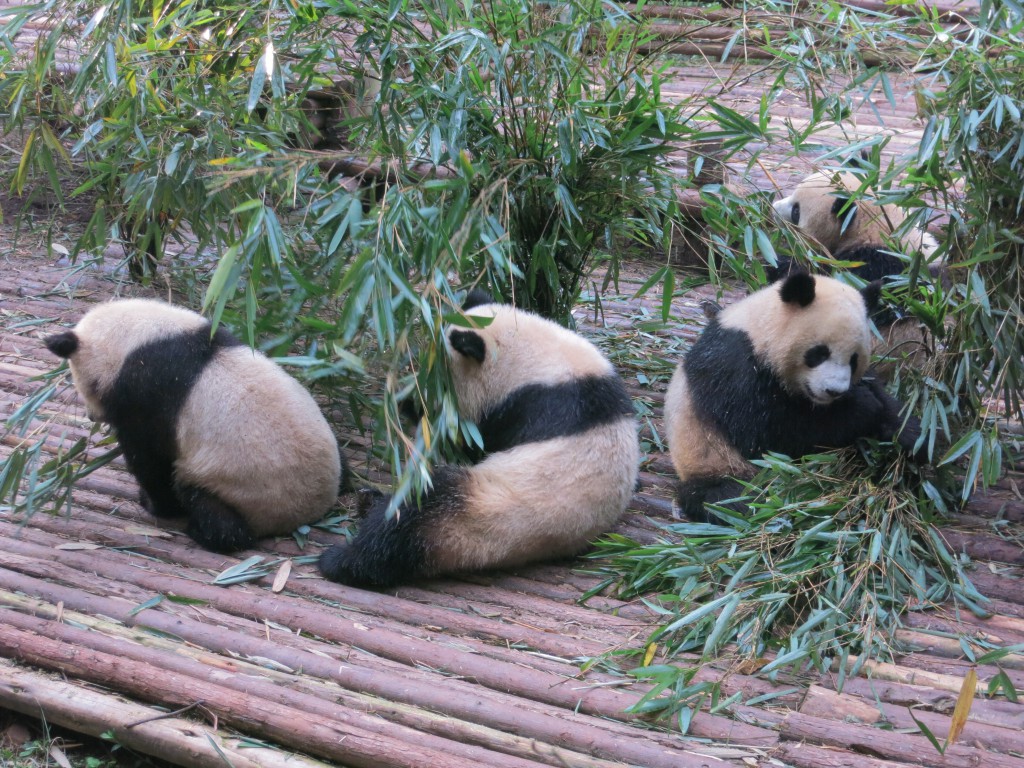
x: 817, y: 355
x: 853, y: 361
x: 794, y: 213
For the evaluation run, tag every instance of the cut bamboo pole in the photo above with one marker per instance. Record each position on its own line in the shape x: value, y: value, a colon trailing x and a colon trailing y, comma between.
x: 174, y: 739
x: 1004, y: 714
x: 328, y: 738
x: 321, y: 697
x: 456, y: 698
x: 854, y: 709
x: 800, y: 755
x: 905, y: 747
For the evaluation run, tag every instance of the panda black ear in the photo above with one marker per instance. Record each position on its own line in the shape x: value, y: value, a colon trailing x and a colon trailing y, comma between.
x: 872, y: 293
x: 798, y: 289
x: 62, y: 344
x: 842, y: 207
x: 475, y: 298
x: 469, y: 344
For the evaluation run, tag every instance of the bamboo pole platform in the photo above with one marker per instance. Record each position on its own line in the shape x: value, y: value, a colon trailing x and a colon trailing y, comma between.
x: 111, y: 622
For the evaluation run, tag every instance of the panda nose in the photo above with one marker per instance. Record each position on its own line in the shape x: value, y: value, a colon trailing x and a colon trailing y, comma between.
x: 834, y: 393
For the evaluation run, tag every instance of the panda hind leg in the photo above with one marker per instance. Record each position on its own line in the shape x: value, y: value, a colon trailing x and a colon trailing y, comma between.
x: 391, y: 550
x: 385, y: 551
x: 693, y: 494
x: 214, y: 524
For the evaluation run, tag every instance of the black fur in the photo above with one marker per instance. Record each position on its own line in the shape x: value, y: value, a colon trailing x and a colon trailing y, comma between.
x: 62, y: 344
x: 842, y: 208
x: 388, y: 551
x: 212, y: 523
x: 741, y: 398
x: 143, y: 408
x: 694, y: 493
x: 539, y: 412
x: 872, y: 292
x: 798, y: 288
x: 475, y: 298
x: 468, y: 344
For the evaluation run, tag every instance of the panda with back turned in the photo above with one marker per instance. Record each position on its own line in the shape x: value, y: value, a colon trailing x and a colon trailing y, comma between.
x: 782, y: 370
x: 212, y: 430
x: 560, y: 460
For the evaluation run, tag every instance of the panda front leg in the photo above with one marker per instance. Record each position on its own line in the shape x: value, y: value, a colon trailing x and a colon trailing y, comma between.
x: 693, y: 494
x: 212, y: 523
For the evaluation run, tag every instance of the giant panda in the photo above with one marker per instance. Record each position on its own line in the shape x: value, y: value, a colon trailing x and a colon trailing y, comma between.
x: 780, y: 370
x: 560, y: 459
x: 211, y: 429
x: 831, y: 208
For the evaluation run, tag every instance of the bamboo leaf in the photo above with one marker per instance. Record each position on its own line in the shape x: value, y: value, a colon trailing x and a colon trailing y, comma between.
x: 963, y: 706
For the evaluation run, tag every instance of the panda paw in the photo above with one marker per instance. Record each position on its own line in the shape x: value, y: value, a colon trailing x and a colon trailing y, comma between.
x: 908, y: 438
x: 214, y: 524
x: 892, y: 426
x: 340, y: 563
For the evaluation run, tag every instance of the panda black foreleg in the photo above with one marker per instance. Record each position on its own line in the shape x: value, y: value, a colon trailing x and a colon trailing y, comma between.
x: 693, y: 494
x: 156, y: 486
x: 214, y: 524
x: 892, y: 426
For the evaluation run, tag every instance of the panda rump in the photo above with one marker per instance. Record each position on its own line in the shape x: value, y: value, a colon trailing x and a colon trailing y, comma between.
x: 561, y: 458
x: 211, y: 429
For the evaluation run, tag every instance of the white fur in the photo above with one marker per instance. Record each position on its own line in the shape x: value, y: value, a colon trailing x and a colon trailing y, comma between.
x: 522, y: 348
x: 544, y: 499
x: 781, y: 334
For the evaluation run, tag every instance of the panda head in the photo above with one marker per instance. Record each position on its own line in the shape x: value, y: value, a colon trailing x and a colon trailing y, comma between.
x: 824, y: 207
x: 503, y: 349
x: 812, y: 332
x: 97, y: 347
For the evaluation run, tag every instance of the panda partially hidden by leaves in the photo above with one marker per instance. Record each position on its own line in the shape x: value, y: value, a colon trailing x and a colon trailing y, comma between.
x: 212, y: 430
x: 781, y: 370
x: 560, y: 459
x: 833, y: 209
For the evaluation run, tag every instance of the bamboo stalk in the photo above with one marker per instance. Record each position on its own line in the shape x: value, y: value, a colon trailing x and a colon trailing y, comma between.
x: 176, y: 740
x: 457, y: 698
x: 1004, y: 714
x: 800, y: 755
x: 851, y: 708
x: 462, y: 739
x: 119, y: 639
